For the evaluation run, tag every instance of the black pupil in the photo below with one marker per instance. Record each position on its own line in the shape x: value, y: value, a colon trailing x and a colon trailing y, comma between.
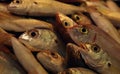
x: 95, y: 48
x: 54, y: 55
x: 66, y: 24
x: 33, y: 34
x: 77, y: 17
x: 83, y: 29
x: 109, y: 64
x: 17, y: 1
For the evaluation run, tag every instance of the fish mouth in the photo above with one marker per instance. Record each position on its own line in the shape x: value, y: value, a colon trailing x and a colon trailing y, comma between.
x: 58, y: 17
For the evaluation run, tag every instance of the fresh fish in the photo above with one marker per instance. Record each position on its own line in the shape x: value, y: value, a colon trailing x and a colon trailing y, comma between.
x: 9, y: 65
x: 80, y: 18
x: 26, y: 58
x: 73, y: 57
x: 105, y: 24
x: 19, y: 24
x: 43, y: 39
x: 42, y: 7
x: 78, y: 70
x: 52, y: 61
x: 95, y: 57
x: 112, y: 5
x: 87, y: 33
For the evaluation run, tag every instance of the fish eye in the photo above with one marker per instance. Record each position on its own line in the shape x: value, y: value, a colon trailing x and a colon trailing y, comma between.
x: 33, y: 33
x: 84, y: 30
x: 66, y: 24
x: 109, y: 64
x: 77, y: 17
x: 95, y: 48
x: 17, y: 1
x: 54, y: 55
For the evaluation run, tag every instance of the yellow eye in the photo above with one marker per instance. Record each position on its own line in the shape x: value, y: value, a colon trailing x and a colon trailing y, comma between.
x: 95, y: 48
x: 84, y: 30
x: 33, y: 33
x: 67, y: 24
x: 76, y: 17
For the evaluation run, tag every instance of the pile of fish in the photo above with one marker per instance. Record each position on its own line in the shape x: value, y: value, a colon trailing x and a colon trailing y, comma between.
x: 59, y: 37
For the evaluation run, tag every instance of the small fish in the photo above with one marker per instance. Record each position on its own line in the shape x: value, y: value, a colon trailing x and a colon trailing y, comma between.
x: 52, y: 61
x: 3, y: 7
x: 105, y: 24
x: 26, y: 58
x: 43, y: 39
x: 78, y: 70
x: 11, y: 22
x: 95, y: 57
x: 87, y: 33
x: 42, y: 7
x: 9, y: 65
x: 80, y: 18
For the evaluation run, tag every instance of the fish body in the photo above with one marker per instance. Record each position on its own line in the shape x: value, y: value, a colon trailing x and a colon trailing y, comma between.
x: 26, y: 58
x: 11, y: 22
x: 51, y: 61
x: 41, y: 7
x: 78, y: 70
x: 89, y: 34
x: 95, y: 57
x: 80, y: 18
x: 9, y: 65
x: 43, y: 39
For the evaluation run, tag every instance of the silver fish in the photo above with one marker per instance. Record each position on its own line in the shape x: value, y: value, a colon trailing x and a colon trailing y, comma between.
x: 95, y: 57
x: 42, y: 7
x: 43, y: 39
x: 52, y: 61
x: 26, y: 58
x: 78, y: 70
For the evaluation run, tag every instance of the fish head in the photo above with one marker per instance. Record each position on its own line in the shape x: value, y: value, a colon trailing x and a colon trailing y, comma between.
x: 64, y: 22
x: 81, y: 19
x: 94, y: 56
x: 77, y: 33
x: 18, y: 6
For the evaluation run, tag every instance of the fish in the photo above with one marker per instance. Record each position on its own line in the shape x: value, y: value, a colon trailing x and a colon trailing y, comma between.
x: 14, y: 23
x: 96, y: 58
x: 112, y: 5
x: 51, y: 61
x: 42, y: 7
x: 42, y: 39
x: 80, y: 18
x: 87, y: 33
x: 3, y: 7
x: 26, y: 58
x: 73, y: 57
x: 8, y: 65
x: 78, y: 70
x: 105, y: 24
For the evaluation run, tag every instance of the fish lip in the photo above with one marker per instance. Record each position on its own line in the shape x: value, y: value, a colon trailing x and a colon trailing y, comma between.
x: 84, y: 48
